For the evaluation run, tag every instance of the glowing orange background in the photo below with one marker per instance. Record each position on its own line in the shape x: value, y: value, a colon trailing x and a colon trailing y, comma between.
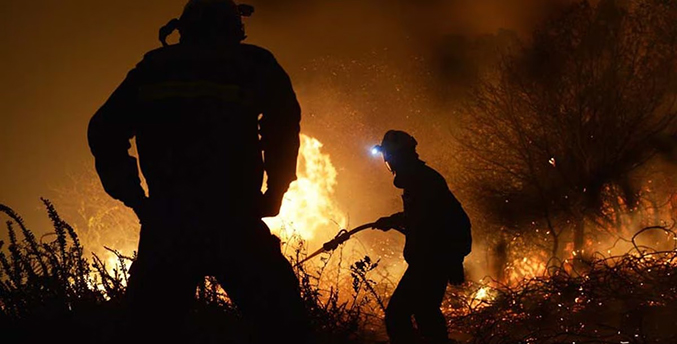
x: 360, y: 68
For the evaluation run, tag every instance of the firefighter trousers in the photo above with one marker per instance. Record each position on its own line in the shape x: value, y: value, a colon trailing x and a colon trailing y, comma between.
x: 419, y: 294
x: 254, y: 273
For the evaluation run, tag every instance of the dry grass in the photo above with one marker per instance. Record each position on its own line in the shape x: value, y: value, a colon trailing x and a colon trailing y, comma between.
x: 49, y: 291
x: 630, y: 298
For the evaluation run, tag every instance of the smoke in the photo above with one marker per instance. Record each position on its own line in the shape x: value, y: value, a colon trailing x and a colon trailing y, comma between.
x: 441, y: 31
x: 363, y: 67
x: 359, y: 69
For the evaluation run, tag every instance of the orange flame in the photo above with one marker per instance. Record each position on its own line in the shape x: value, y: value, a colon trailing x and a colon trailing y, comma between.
x: 309, y: 209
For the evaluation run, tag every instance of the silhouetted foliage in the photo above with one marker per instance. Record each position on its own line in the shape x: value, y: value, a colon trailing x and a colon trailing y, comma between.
x: 54, y: 287
x: 51, y: 285
x: 50, y: 292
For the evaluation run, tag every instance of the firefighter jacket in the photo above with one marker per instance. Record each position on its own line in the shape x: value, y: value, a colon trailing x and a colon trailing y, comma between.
x: 436, y: 227
x: 208, y: 121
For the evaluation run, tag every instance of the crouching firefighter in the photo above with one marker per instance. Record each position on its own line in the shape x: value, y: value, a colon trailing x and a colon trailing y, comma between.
x: 438, y: 237
x: 209, y: 114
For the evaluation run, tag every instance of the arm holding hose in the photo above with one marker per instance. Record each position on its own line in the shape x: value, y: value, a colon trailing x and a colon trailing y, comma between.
x: 395, y: 221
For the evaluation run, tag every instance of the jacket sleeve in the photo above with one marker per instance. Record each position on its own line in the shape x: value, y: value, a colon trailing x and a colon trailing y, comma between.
x: 279, y: 128
x: 399, y: 222
x: 109, y: 133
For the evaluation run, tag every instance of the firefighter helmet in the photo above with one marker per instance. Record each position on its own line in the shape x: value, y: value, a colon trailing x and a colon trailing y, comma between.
x: 209, y: 18
x: 204, y: 20
x: 397, y: 142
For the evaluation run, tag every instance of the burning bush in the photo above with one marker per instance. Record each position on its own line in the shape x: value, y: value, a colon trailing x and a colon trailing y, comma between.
x: 630, y: 298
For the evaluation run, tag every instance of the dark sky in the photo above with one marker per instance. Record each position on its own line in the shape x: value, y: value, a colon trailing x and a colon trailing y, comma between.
x: 60, y: 60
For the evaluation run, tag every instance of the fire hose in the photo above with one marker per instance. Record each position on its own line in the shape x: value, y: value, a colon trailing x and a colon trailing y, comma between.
x: 342, y: 236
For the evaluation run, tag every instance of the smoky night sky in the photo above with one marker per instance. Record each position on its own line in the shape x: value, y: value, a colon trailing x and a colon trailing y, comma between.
x: 359, y: 68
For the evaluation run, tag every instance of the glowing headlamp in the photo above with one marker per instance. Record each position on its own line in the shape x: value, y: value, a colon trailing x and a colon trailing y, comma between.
x: 376, y: 150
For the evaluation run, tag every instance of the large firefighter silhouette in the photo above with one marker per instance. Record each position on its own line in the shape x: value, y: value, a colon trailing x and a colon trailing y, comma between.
x: 210, y: 115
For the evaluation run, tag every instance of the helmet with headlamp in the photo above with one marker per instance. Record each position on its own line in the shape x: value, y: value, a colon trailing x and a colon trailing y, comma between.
x: 396, y: 144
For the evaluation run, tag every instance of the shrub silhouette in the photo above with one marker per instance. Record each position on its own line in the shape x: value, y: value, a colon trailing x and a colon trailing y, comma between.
x: 49, y: 290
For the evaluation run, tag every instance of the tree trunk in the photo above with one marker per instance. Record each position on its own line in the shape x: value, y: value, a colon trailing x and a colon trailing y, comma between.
x: 579, y: 235
x: 555, y: 245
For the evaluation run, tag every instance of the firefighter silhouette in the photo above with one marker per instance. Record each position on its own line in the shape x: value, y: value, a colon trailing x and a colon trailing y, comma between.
x: 438, y: 237
x: 210, y: 115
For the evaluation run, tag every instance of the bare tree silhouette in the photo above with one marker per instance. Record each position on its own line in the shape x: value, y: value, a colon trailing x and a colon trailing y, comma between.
x: 555, y: 134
